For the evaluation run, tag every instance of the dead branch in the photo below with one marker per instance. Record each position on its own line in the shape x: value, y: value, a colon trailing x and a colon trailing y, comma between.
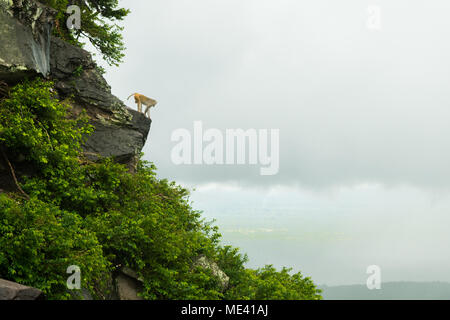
x: 13, y: 174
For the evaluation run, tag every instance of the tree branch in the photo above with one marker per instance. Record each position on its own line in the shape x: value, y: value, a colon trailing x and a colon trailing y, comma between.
x: 13, y: 174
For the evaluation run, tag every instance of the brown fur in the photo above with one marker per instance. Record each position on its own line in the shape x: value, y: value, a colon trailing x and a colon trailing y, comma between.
x: 140, y: 100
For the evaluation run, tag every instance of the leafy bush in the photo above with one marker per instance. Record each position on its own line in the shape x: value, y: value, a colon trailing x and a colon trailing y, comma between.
x: 101, y: 217
x: 265, y: 283
x: 98, y: 19
x: 39, y: 241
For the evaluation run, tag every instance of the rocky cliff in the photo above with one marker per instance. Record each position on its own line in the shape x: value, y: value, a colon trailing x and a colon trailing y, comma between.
x: 28, y: 50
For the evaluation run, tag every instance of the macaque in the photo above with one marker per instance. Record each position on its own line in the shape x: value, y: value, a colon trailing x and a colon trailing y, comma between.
x: 140, y: 100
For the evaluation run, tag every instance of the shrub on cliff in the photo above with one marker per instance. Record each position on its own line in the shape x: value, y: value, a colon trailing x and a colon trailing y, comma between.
x: 100, y: 217
x: 97, y: 25
x: 38, y: 242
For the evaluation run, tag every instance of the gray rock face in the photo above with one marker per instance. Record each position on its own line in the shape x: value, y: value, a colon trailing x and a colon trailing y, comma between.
x: 25, y: 39
x: 28, y: 50
x: 128, y: 288
x: 14, y: 291
x: 203, y: 262
x: 131, y: 273
x: 128, y: 284
x: 120, y: 132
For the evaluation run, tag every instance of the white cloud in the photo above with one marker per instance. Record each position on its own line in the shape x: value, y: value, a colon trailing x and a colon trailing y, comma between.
x: 363, y: 119
x: 352, y: 106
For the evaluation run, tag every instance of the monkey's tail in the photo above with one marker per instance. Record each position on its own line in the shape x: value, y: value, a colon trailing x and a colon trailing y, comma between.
x: 131, y: 96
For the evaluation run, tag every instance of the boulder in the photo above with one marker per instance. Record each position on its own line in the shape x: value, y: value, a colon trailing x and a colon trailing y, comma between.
x: 131, y: 273
x: 127, y: 288
x: 203, y: 262
x: 14, y: 291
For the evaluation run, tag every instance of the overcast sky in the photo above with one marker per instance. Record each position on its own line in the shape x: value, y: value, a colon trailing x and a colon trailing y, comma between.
x: 363, y: 117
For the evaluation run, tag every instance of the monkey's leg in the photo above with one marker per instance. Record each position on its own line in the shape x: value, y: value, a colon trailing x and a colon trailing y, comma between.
x: 147, y: 112
x: 139, y: 106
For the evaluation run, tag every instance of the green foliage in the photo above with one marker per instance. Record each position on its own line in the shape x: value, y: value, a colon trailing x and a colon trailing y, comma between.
x: 34, y: 124
x: 39, y: 241
x: 78, y: 71
x: 101, y: 217
x: 98, y: 25
x: 265, y: 283
x: 268, y: 283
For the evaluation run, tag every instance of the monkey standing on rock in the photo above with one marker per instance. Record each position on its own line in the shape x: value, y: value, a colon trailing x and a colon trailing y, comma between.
x: 140, y: 100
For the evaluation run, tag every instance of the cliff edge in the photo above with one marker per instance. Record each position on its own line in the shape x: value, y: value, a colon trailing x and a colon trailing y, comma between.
x: 28, y: 50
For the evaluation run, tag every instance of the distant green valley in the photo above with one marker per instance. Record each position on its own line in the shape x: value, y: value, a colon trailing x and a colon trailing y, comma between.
x: 389, y: 291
